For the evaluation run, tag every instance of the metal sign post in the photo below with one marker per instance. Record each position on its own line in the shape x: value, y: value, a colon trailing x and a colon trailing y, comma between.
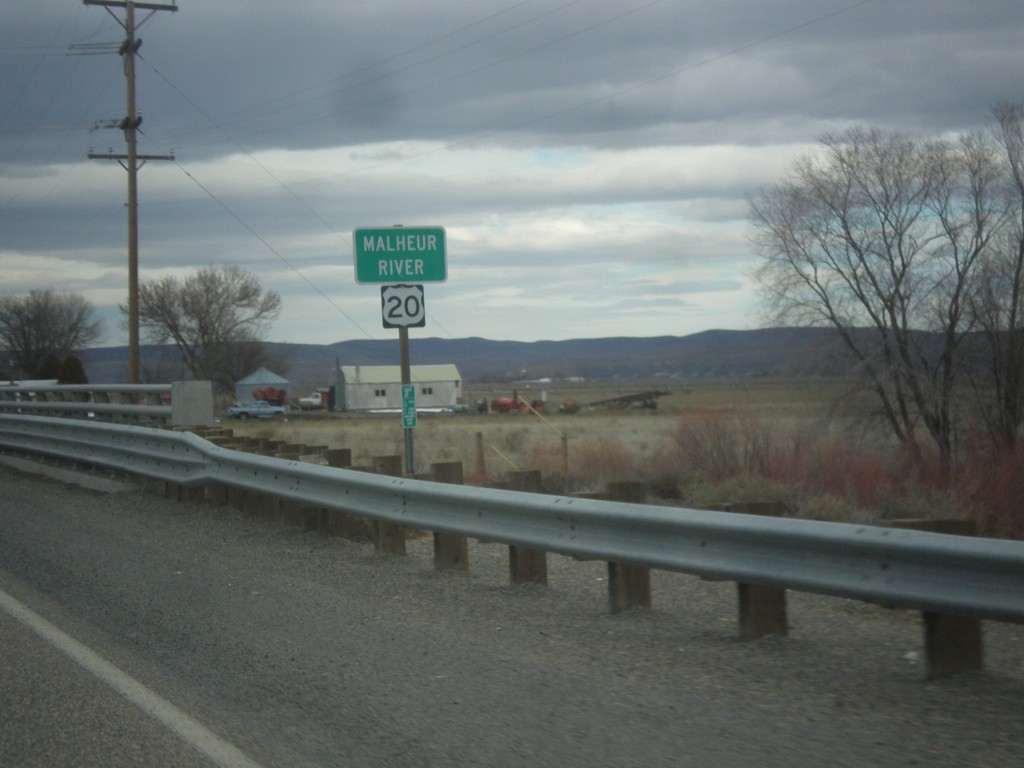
x: 408, y: 401
x: 403, y: 307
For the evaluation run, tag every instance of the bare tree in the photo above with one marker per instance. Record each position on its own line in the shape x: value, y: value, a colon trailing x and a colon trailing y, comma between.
x: 215, y: 318
x: 44, y: 323
x: 997, y: 301
x: 878, y: 236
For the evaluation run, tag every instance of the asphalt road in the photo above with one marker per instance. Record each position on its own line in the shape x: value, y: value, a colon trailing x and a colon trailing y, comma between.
x: 139, y: 631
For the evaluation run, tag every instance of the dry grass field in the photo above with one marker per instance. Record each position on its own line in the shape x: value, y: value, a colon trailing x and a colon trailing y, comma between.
x: 811, y: 445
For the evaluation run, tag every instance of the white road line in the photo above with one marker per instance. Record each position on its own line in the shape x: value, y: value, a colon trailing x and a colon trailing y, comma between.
x: 192, y: 732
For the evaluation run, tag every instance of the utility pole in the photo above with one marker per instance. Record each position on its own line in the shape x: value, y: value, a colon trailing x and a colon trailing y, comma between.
x: 131, y: 160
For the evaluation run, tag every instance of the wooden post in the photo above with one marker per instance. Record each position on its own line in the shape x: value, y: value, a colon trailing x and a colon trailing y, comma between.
x: 236, y: 497
x: 629, y: 586
x: 262, y: 505
x: 216, y: 494
x: 953, y: 644
x: 388, y: 537
x: 762, y: 611
x: 331, y: 521
x: 481, y: 465
x: 762, y: 608
x: 451, y: 551
x: 338, y: 457
x: 526, y: 565
x: 299, y: 515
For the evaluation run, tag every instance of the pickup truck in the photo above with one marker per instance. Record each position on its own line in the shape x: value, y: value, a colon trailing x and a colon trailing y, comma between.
x: 261, y: 409
x: 313, y: 401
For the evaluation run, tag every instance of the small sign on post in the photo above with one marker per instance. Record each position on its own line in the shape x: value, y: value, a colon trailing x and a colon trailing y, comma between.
x: 408, y: 406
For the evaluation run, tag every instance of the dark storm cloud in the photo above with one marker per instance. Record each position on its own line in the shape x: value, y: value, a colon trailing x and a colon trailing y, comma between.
x: 311, y: 74
x: 605, y: 145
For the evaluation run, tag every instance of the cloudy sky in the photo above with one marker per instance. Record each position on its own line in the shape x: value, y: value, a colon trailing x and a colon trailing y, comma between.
x: 589, y: 159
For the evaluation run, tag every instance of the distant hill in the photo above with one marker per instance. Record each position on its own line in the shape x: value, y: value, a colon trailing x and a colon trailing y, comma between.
x: 709, y: 354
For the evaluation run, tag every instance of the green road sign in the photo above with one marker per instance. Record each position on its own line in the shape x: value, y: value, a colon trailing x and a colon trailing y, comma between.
x: 400, y: 254
x: 408, y: 406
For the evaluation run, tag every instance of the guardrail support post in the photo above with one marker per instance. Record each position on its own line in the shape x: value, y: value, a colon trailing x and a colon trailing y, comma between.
x: 762, y: 608
x: 526, y: 565
x: 629, y: 586
x: 451, y: 552
x: 340, y: 458
x: 388, y: 537
x: 215, y: 494
x: 332, y: 521
x: 762, y: 611
x: 300, y: 514
x: 262, y: 505
x: 953, y: 644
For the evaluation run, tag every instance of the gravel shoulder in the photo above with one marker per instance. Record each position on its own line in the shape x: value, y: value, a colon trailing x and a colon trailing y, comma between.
x: 311, y: 650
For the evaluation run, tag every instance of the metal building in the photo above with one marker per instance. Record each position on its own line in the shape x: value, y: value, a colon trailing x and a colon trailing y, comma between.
x: 379, y: 387
x: 262, y: 385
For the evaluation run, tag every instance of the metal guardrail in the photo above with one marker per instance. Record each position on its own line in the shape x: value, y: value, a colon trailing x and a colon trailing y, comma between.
x: 958, y: 575
x: 178, y: 403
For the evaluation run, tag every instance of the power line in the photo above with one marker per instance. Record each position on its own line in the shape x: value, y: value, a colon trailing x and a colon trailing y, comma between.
x: 227, y: 209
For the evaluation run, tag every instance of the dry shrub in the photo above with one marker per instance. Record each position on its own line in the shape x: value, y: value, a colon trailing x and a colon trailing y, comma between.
x: 722, y: 443
x: 993, y: 484
x: 833, y: 509
x: 825, y: 467
x: 740, y: 488
x: 591, y: 463
x: 603, y: 460
x: 826, y: 478
x: 547, y: 457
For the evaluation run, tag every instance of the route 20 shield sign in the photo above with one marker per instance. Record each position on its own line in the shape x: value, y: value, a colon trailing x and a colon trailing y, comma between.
x: 402, y: 306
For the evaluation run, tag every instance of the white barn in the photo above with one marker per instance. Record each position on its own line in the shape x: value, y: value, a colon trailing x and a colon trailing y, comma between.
x: 379, y: 387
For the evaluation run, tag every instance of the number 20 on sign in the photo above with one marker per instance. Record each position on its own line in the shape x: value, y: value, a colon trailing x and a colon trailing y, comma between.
x: 403, y: 306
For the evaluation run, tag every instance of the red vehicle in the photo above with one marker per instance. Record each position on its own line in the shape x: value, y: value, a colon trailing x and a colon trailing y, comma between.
x: 271, y: 395
x: 508, y: 405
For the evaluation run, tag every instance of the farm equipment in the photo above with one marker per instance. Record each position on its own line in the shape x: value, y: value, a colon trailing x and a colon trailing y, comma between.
x: 648, y: 399
x: 272, y: 395
x: 508, y: 405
